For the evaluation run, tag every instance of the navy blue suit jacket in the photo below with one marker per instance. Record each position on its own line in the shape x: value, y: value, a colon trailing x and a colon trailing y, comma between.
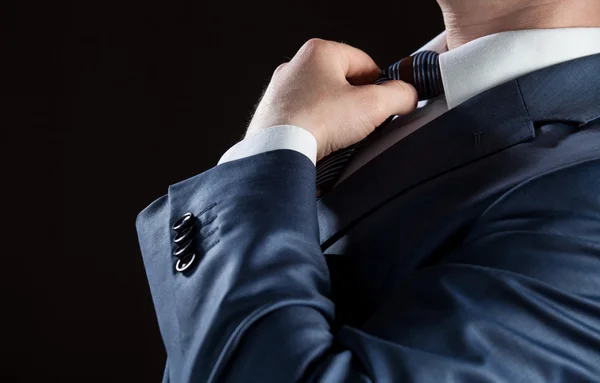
x: 467, y: 252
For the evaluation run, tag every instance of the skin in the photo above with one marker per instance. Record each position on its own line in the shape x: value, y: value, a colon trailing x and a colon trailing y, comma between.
x: 327, y: 88
x: 467, y: 20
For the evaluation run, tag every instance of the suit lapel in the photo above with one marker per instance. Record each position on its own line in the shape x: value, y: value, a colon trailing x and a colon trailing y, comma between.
x: 487, y: 123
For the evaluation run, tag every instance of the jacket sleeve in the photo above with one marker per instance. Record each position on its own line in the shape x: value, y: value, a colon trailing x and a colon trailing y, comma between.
x: 518, y: 301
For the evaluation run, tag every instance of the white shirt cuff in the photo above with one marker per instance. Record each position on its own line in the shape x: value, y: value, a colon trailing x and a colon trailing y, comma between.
x: 274, y: 138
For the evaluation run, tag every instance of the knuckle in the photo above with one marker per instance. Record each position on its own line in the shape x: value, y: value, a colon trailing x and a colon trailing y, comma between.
x: 314, y: 45
x: 315, y: 41
x: 280, y: 67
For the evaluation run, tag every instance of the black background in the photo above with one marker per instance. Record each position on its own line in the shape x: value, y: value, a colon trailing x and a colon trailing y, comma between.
x: 112, y: 103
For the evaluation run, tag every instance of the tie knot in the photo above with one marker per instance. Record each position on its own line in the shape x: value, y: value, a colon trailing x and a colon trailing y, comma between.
x: 422, y: 70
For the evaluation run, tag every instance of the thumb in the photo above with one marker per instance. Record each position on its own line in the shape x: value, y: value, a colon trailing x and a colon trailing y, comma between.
x: 390, y: 98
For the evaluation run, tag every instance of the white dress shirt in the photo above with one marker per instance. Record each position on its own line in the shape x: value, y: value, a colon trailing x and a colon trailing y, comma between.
x: 466, y: 71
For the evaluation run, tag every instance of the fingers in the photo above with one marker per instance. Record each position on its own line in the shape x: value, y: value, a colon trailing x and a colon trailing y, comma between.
x: 354, y: 65
x: 395, y: 97
x: 358, y: 67
x: 390, y: 98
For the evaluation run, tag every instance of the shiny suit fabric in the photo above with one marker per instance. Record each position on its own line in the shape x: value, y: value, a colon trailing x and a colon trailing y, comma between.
x: 467, y: 252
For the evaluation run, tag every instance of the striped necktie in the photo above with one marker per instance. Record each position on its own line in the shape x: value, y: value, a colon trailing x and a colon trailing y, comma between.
x: 422, y: 70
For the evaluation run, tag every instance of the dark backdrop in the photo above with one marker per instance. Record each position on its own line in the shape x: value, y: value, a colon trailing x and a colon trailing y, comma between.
x: 114, y: 102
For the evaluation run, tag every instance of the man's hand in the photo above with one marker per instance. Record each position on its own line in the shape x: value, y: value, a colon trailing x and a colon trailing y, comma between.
x: 327, y: 88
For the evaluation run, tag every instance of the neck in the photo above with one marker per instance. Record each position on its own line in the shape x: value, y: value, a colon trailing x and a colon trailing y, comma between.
x: 467, y: 20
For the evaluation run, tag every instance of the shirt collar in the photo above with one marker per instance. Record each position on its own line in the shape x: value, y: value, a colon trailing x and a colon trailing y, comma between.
x: 491, y: 60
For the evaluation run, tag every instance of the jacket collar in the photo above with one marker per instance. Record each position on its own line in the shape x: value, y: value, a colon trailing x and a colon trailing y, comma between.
x: 487, y: 123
